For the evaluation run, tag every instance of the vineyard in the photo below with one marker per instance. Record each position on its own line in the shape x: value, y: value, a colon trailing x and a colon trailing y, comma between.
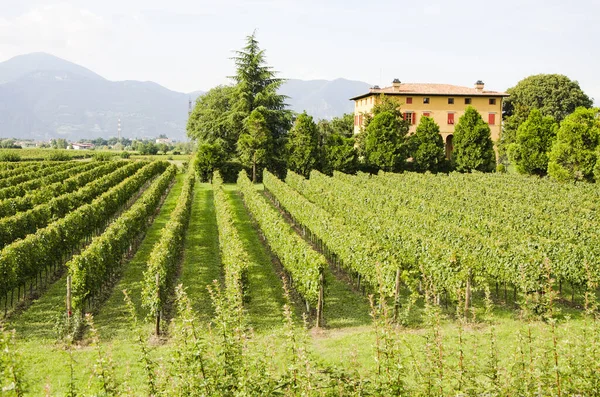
x: 130, y: 277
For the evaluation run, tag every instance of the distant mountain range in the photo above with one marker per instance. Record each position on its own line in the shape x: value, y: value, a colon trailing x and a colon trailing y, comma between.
x: 44, y: 97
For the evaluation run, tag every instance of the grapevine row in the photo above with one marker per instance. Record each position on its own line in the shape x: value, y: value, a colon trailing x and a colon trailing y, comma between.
x: 35, y: 174
x: 404, y: 247
x: 304, y: 265
x: 91, y: 270
x: 234, y: 256
x: 25, y: 260
x: 351, y: 249
x: 12, y: 171
x: 525, y: 234
x: 66, y: 170
x: 24, y: 223
x: 14, y: 205
x: 160, y: 275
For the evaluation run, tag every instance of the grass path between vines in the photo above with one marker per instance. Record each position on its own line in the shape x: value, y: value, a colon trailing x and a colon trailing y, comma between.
x: 201, y: 259
x: 265, y: 288
x: 113, y: 318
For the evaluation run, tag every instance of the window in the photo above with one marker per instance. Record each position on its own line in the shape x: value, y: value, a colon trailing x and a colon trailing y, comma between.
x: 492, y: 101
x: 426, y: 114
x: 467, y: 101
x: 425, y: 100
x: 409, y: 101
x: 356, y: 120
x: 450, y: 101
x: 492, y: 119
x: 360, y: 120
x: 450, y: 118
x: 410, y: 117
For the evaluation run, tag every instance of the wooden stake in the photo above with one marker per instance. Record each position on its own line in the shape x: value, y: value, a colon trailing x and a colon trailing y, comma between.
x: 320, y: 301
x: 397, y: 295
x: 69, y: 298
x: 157, y: 329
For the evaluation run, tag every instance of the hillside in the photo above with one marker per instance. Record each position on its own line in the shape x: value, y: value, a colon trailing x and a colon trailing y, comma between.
x: 44, y: 97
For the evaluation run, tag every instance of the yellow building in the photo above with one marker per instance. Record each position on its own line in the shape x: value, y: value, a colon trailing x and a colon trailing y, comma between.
x: 443, y: 102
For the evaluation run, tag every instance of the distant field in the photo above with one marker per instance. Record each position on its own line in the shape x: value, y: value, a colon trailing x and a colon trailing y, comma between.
x: 47, y: 154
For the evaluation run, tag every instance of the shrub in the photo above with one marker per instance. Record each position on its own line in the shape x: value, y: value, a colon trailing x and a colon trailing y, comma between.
x: 8, y: 156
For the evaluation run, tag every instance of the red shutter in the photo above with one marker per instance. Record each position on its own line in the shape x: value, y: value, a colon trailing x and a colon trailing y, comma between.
x: 360, y: 119
x: 414, y: 118
x: 405, y: 116
x: 355, y: 120
x: 492, y: 119
x: 450, y: 118
x: 408, y: 101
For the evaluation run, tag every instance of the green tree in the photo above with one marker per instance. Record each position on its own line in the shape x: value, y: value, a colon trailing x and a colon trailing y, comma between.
x: 385, y: 142
x: 574, y: 153
x: 473, y: 146
x: 257, y: 87
x: 383, y: 104
x: 340, y: 155
x: 343, y: 125
x: 255, y: 143
x: 553, y: 94
x: 533, y: 142
x: 163, y: 147
x: 211, y: 120
x: 209, y: 157
x: 59, y: 143
x: 427, y: 146
x: 303, y: 145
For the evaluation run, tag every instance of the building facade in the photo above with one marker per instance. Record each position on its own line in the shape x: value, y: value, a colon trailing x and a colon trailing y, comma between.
x: 443, y: 102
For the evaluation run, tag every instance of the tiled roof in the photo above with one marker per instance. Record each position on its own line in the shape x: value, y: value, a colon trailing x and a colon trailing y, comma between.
x: 430, y: 89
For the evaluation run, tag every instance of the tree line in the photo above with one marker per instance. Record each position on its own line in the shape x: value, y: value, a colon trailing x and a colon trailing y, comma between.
x: 550, y: 128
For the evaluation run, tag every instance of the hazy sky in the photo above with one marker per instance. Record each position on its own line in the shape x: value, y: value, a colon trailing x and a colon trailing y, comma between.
x: 185, y: 45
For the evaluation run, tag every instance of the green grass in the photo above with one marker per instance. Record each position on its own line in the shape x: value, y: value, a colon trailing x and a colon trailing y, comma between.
x: 201, y: 259
x: 113, y: 319
x: 265, y: 289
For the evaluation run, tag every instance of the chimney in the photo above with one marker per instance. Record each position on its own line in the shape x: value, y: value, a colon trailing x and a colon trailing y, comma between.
x: 479, y: 85
x: 396, y: 85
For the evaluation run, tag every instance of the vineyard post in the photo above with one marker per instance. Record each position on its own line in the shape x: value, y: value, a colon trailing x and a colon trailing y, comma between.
x: 397, y: 295
x: 320, y: 301
x: 157, y: 329
x: 468, y: 292
x: 69, y: 297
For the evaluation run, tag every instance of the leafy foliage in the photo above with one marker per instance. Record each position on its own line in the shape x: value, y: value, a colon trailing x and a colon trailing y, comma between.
x: 427, y: 146
x: 211, y: 122
x: 255, y: 145
x: 533, y: 142
x: 573, y: 154
x: 303, y: 145
x: 385, y: 142
x: 553, y: 95
x: 473, y: 146
x: 340, y: 154
x: 209, y: 157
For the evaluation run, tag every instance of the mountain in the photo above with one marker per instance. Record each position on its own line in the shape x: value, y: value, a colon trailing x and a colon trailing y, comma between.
x: 23, y: 65
x: 323, y: 99
x: 44, y: 97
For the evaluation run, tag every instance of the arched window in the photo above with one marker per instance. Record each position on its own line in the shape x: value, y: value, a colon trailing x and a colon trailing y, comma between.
x: 449, y: 146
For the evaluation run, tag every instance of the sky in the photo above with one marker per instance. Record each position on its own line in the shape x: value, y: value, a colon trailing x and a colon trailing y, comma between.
x: 187, y: 45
